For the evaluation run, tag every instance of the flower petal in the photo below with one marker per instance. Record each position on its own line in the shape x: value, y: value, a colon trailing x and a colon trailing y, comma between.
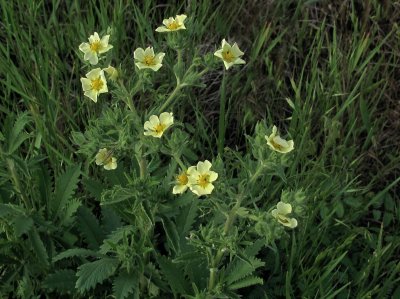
x: 178, y: 189
x: 284, y: 208
x: 139, y: 54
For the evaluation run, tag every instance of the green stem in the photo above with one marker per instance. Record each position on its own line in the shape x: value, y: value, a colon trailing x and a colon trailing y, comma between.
x: 222, y: 117
x: 170, y: 98
x: 179, y: 161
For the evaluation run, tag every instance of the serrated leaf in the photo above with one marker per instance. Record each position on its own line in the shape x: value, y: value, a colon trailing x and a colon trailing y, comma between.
x: 90, y: 274
x: 115, y: 237
x: 89, y: 227
x: 246, y: 282
x: 68, y: 214
x: 110, y: 220
x: 15, y: 137
x: 186, y: 219
x: 22, y: 224
x: 241, y: 268
x: 65, y: 187
x: 38, y: 247
x: 124, y: 284
x: 172, y: 234
x: 173, y: 274
x: 79, y: 252
x: 62, y: 281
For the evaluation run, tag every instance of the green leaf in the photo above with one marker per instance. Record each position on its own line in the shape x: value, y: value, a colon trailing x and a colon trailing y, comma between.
x: 173, y: 274
x: 80, y: 252
x: 38, y: 247
x: 172, y: 234
x: 90, y: 274
x: 89, y: 227
x: 62, y: 281
x: 246, y: 282
x: 22, y: 224
x: 15, y: 137
x: 240, y: 268
x: 124, y: 284
x: 67, y: 217
x: 186, y: 219
x: 65, y: 187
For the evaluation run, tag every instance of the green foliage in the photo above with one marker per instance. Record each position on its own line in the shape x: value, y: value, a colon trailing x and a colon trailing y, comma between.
x: 325, y: 73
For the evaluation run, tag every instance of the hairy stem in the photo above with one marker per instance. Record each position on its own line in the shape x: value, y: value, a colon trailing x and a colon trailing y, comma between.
x: 222, y: 117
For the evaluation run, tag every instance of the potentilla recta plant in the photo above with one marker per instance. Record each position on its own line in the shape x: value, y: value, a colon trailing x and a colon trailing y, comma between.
x: 184, y: 220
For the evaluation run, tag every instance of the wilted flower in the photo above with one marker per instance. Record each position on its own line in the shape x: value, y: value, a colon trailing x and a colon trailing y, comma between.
x: 278, y: 144
x: 94, y: 84
x: 230, y: 55
x: 173, y: 24
x: 145, y: 59
x: 182, y: 183
x: 95, y: 47
x: 104, y: 157
x: 156, y: 126
x: 281, y: 214
x: 111, y: 72
x: 201, y: 178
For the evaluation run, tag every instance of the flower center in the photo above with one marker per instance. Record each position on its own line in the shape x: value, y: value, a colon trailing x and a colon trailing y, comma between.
x: 182, y: 179
x: 149, y: 60
x: 97, y: 84
x: 228, y: 56
x: 203, y: 180
x: 95, y: 46
x: 159, y: 128
x: 173, y: 25
x: 276, y: 145
x: 283, y: 219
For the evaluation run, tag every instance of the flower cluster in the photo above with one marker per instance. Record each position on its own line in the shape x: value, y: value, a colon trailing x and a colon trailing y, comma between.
x: 197, y: 178
x: 104, y: 157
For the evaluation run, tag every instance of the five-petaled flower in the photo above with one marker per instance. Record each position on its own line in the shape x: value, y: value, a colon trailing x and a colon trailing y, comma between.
x: 94, y: 47
x: 104, y: 157
x: 201, y: 178
x: 94, y: 84
x: 278, y: 144
x: 146, y: 59
x: 182, y: 183
x: 173, y: 24
x: 281, y: 214
x: 156, y: 126
x: 230, y: 55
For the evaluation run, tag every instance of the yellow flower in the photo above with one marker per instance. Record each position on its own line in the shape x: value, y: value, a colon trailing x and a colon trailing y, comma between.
x: 182, y: 183
x: 281, y: 212
x: 145, y: 59
x: 94, y: 84
x: 278, y: 144
x: 156, y: 126
x: 230, y: 55
x: 201, y: 178
x: 111, y: 72
x: 104, y: 157
x: 95, y: 47
x: 173, y: 24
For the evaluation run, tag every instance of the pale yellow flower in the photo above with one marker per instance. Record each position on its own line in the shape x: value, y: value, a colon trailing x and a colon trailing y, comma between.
x: 94, y: 84
x: 146, y: 59
x: 182, y: 183
x: 111, y: 72
x: 230, y: 55
x: 156, y: 126
x: 173, y: 24
x: 278, y: 144
x: 201, y: 178
x: 281, y: 214
x: 104, y: 157
x: 95, y: 47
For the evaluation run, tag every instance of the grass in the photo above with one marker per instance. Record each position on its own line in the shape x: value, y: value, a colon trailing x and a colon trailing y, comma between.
x: 326, y: 71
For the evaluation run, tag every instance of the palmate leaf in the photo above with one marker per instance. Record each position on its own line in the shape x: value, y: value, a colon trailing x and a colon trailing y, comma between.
x: 62, y: 281
x: 90, y: 274
x: 67, y: 217
x: 125, y: 284
x: 65, y: 187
